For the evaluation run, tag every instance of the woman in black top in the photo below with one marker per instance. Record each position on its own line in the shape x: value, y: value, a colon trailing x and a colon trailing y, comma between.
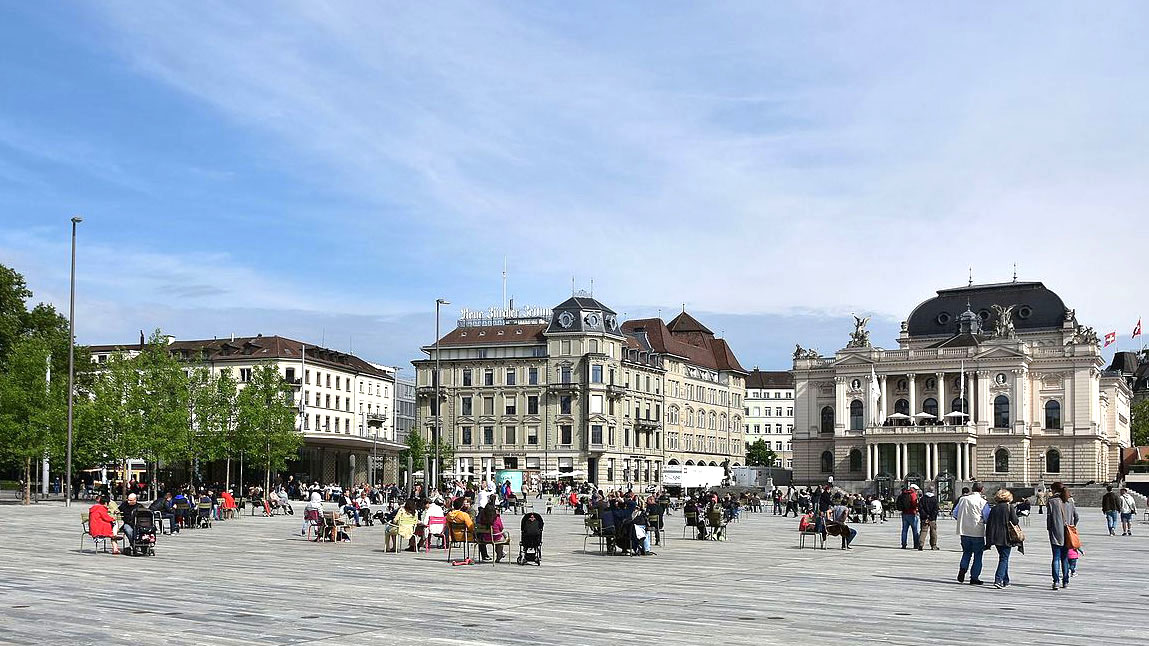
x: 1001, y: 517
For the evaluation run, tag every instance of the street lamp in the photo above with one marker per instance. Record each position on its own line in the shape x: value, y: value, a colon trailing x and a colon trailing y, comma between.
x: 71, y: 361
x: 435, y: 432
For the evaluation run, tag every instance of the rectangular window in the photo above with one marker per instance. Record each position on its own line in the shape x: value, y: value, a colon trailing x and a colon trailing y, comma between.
x: 289, y: 375
x: 509, y: 434
x: 488, y: 377
x: 510, y: 376
x: 610, y: 406
x: 566, y: 347
x: 565, y: 375
x: 626, y: 437
x: 244, y: 375
x: 361, y: 389
x: 596, y: 434
x: 467, y: 406
x: 596, y: 404
x: 337, y: 402
x: 532, y: 435
x: 565, y: 433
x: 532, y: 405
x: 565, y: 405
x: 307, y: 376
x: 467, y: 377
x: 327, y: 422
x: 336, y: 382
x: 777, y: 446
x: 467, y: 436
x: 327, y: 401
x: 488, y: 435
x: 306, y: 423
x: 328, y: 380
x: 510, y: 403
x: 596, y: 374
x: 488, y: 405
x: 533, y: 376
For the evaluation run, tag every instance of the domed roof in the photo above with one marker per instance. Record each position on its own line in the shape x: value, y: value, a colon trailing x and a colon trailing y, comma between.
x: 1035, y: 308
x: 583, y: 314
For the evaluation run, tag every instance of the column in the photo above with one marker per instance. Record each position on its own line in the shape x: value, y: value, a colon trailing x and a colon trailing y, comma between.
x: 971, y: 461
x: 934, y: 452
x: 912, y: 379
x: 1017, y: 402
x: 841, y: 410
x: 983, y: 411
x: 884, y: 404
x: 898, y: 452
x: 869, y: 462
x: 943, y: 404
x: 929, y: 474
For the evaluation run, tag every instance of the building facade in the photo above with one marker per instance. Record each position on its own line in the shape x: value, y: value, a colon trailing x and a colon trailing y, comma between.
x: 569, y: 392
x: 996, y: 383
x: 404, y: 408
x: 346, y: 404
x: 769, y: 412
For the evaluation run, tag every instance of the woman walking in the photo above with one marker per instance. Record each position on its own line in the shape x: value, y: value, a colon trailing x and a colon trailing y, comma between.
x: 1001, y: 517
x: 1062, y: 512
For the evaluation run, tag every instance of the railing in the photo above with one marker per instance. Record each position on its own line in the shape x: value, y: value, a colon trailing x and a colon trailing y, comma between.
x: 563, y: 386
x: 921, y: 430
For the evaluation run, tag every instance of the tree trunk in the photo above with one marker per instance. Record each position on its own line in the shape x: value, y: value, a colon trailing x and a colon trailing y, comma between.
x: 26, y: 494
x: 241, y: 490
x: 227, y: 475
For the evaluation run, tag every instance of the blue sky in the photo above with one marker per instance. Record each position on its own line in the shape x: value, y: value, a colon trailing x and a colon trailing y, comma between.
x: 326, y: 170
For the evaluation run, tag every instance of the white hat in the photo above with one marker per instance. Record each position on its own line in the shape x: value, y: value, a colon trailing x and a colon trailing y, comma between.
x: 914, y: 486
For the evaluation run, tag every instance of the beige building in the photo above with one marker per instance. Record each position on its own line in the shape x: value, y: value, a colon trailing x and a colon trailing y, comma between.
x: 568, y: 392
x: 997, y: 383
x: 769, y: 412
x: 346, y: 404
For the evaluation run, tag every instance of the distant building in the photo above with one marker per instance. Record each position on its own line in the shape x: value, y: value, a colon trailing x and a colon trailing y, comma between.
x: 405, y: 405
x: 574, y: 392
x: 997, y: 383
x: 770, y: 412
x: 345, y: 403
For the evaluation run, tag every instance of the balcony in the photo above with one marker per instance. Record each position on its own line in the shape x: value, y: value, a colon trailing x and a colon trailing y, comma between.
x: 957, y: 431
x: 563, y: 387
x: 615, y: 391
x: 647, y: 424
x: 376, y: 417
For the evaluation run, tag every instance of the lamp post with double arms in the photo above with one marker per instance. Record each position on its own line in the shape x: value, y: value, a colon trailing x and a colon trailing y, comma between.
x: 71, y: 362
x: 435, y: 431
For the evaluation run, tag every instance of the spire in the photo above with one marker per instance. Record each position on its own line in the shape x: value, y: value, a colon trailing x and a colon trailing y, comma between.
x: 1015, y: 272
x: 971, y: 276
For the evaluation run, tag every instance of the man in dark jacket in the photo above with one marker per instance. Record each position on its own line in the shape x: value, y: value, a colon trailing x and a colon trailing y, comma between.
x: 928, y: 513
x: 1109, y: 506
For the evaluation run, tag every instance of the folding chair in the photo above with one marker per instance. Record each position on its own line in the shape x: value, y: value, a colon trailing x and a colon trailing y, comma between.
x: 436, y: 525
x: 485, y: 530
x: 97, y: 541
x: 690, y: 520
x: 456, y: 528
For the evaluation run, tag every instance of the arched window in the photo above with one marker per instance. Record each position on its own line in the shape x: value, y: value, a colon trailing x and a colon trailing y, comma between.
x: 1001, y: 461
x: 857, y: 421
x: 903, y: 385
x: 902, y: 406
x: 959, y: 405
x: 1053, y: 414
x: 855, y: 461
x: 1001, y: 412
x: 930, y: 405
x: 690, y: 463
x: 713, y: 421
x: 1053, y: 461
x: 827, y: 419
x: 827, y: 462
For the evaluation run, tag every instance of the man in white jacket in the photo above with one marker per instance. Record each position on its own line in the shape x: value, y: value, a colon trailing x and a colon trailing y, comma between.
x: 1127, y: 507
x: 969, y: 514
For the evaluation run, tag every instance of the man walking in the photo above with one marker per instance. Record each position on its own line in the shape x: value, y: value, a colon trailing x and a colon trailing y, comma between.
x: 928, y: 513
x: 1127, y: 506
x: 971, y: 528
x: 1109, y: 503
x: 908, y: 504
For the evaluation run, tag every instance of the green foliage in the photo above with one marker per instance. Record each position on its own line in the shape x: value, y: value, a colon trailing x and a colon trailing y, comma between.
x: 1139, y: 422
x: 266, y: 419
x: 161, y: 399
x: 759, y: 454
x: 30, y: 406
x: 416, y: 450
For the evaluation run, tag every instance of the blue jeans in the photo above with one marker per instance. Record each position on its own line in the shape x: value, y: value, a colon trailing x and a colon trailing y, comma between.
x: 972, y: 546
x: 1002, y: 574
x: 1111, y: 520
x: 1060, y: 565
x: 911, y: 522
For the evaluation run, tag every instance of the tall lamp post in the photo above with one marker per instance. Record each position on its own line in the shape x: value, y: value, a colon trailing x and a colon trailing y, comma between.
x: 435, y: 432
x: 71, y: 361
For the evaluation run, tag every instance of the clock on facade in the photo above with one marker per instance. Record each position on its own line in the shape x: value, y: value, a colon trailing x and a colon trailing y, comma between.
x: 566, y: 319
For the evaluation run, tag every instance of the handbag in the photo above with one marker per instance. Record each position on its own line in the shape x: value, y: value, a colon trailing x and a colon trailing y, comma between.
x: 1072, y: 540
x: 1016, y: 534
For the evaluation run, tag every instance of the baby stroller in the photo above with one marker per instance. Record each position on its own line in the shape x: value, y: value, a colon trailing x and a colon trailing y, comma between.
x: 143, y: 541
x: 531, y: 543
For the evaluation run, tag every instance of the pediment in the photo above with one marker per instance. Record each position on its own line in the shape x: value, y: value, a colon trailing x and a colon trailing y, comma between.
x: 1000, y: 352
x: 853, y: 360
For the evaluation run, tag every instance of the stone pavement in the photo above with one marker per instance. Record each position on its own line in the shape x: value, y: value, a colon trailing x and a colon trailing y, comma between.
x: 255, y: 581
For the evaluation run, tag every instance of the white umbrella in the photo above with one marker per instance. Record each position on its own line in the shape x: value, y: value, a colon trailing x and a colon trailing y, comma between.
x: 956, y: 413
x: 898, y: 416
x: 552, y: 474
x: 924, y: 415
x: 577, y: 473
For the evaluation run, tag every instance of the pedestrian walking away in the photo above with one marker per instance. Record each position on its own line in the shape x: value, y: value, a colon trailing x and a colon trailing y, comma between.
x: 971, y: 528
x: 1061, y: 523
x: 928, y: 513
x: 1002, y: 533
x: 1109, y: 504
x: 908, y: 504
x: 1127, y: 507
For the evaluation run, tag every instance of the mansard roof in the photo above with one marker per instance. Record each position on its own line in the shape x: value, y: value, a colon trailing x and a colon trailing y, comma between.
x: 1035, y: 308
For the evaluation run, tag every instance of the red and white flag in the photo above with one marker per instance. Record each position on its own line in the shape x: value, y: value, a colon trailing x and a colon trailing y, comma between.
x: 1110, y: 339
x: 1137, y: 329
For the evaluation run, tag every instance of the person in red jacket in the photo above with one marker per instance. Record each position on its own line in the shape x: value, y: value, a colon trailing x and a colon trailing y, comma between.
x: 908, y: 504
x: 101, y: 524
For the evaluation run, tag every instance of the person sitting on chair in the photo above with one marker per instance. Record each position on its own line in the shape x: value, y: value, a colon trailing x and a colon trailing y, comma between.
x: 128, y: 510
x: 489, y: 519
x: 461, y: 521
x: 101, y: 524
x: 402, y: 528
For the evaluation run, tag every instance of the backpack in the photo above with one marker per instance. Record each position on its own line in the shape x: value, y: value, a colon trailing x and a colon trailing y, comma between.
x: 905, y: 501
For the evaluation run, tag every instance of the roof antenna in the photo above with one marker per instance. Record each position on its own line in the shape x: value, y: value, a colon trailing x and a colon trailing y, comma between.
x: 1015, y: 272
x: 971, y: 276
x: 504, y: 281
x: 572, y: 286
x: 660, y: 313
x: 684, y: 308
x: 592, y: 288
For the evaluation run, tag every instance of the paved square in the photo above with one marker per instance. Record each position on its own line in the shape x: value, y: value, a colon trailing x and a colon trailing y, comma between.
x: 254, y: 581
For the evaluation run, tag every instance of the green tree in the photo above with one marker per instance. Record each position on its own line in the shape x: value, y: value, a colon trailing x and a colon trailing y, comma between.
x: 29, y: 406
x: 416, y: 451
x: 1139, y: 422
x: 759, y: 454
x: 266, y: 419
x: 115, y: 420
x: 161, y: 400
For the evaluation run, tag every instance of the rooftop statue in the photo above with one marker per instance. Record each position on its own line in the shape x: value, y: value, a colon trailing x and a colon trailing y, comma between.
x: 860, y: 338
x: 1003, y: 329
